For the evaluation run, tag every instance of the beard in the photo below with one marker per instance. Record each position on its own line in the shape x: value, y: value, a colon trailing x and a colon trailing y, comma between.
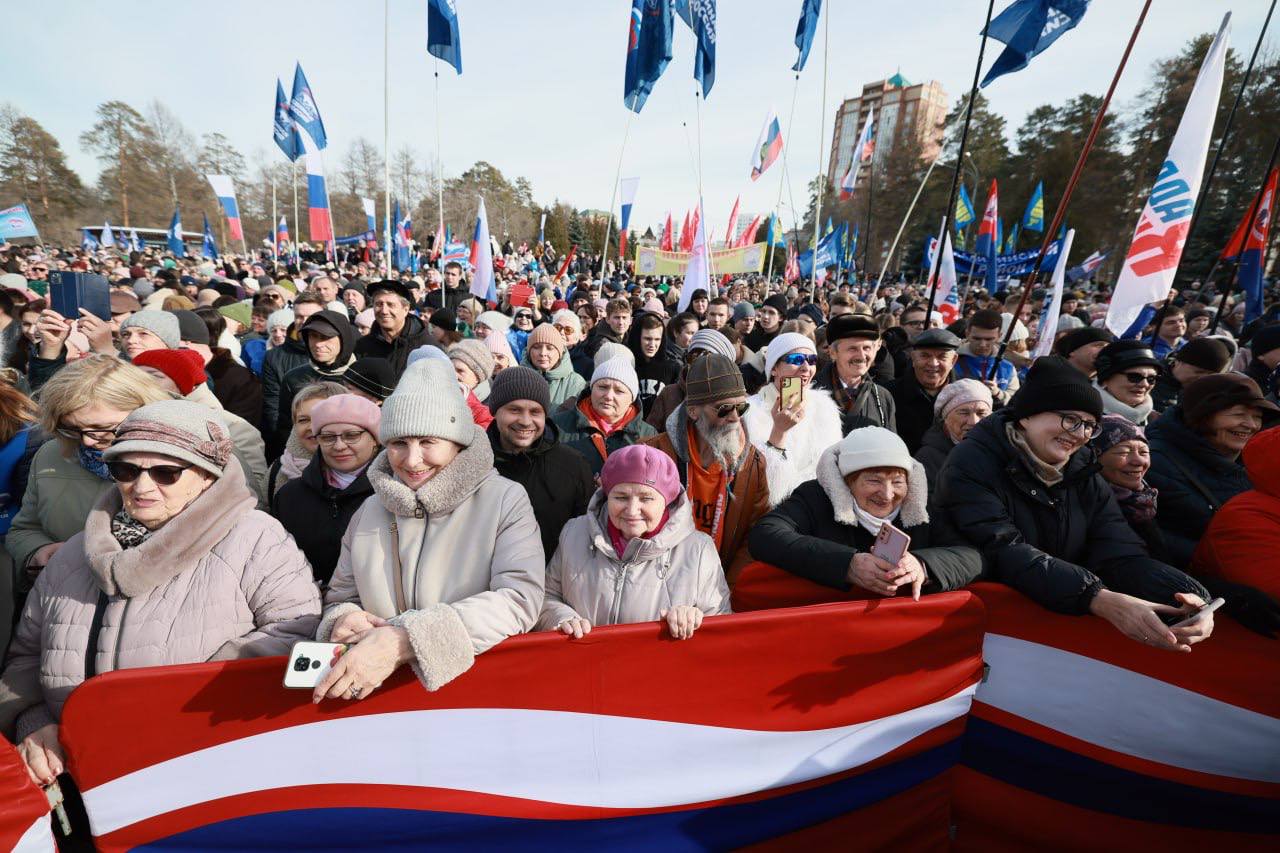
x: 725, y: 440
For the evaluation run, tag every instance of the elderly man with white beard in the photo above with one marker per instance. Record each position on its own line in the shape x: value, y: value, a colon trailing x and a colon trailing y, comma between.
x: 722, y: 472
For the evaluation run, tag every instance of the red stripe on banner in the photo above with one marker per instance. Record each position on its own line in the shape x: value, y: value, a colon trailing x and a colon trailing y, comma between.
x: 21, y: 802
x: 830, y: 666
x: 765, y: 587
x: 318, y: 223
x: 993, y: 817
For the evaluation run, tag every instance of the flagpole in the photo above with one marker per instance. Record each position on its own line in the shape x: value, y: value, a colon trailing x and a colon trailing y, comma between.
x: 1253, y: 215
x: 702, y: 212
x: 1060, y: 212
x: 617, y: 178
x: 871, y: 197
x: 439, y: 166
x: 297, y: 228
x: 795, y: 90
x: 386, y: 134
x: 822, y: 133
x: 275, y: 247
x: 934, y: 273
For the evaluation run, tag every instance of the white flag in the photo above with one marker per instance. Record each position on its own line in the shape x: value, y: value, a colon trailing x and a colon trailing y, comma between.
x: 1049, y: 317
x: 482, y: 284
x: 1147, y: 273
x: 697, y: 275
x: 946, y: 300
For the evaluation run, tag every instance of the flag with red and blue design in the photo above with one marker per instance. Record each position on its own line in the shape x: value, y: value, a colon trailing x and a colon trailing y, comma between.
x: 768, y: 145
x: 862, y: 153
x: 988, y: 244
x: 1249, y: 244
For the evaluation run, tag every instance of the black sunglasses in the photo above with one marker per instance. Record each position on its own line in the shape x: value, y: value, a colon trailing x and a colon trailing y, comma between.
x: 161, y: 475
x: 1135, y: 378
x: 724, y: 409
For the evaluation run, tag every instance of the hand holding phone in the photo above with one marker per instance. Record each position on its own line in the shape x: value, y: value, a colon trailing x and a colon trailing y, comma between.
x: 1208, y: 608
x: 891, y: 544
x: 310, y: 662
x: 791, y: 392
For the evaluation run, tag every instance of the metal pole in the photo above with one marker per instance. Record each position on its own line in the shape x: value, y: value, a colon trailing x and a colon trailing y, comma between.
x: 275, y: 247
x: 617, y: 178
x: 386, y: 134
x: 822, y: 132
x: 297, y: 226
x: 439, y: 166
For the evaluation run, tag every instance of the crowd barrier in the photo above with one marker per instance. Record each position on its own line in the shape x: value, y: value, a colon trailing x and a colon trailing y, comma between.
x: 24, y: 809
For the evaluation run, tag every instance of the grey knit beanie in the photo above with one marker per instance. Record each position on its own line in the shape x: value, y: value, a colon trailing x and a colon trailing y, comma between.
x: 179, y: 429
x: 712, y: 341
x: 519, y: 383
x: 475, y: 355
x: 609, y: 350
x: 162, y: 324
x: 619, y: 369
x: 427, y: 402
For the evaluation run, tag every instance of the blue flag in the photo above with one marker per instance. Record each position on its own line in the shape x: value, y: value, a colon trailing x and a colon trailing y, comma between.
x: 305, y: 113
x: 964, y: 212
x: 87, y: 241
x: 700, y: 15
x: 805, y: 29
x: 208, y: 248
x: 443, y: 41
x: 174, y: 236
x: 285, y: 135
x: 1033, y: 218
x: 1011, y: 244
x: 16, y: 221
x: 648, y: 50
x: 1027, y: 27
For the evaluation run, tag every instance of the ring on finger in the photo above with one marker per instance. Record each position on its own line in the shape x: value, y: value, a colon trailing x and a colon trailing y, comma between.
x: 354, y: 692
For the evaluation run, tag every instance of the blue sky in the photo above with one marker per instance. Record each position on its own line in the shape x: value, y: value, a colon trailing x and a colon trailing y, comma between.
x: 541, y: 95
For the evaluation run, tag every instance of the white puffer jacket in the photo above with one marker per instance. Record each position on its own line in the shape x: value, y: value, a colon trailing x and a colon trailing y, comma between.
x: 586, y: 577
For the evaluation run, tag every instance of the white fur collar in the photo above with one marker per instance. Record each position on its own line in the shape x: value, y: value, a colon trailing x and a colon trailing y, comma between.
x: 912, y: 512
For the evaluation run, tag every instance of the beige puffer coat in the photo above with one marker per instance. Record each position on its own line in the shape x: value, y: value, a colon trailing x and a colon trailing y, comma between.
x: 220, y: 580
x: 677, y: 566
x: 470, y: 569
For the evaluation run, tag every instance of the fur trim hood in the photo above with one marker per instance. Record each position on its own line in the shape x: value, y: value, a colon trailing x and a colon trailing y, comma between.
x: 444, y: 492
x: 912, y: 513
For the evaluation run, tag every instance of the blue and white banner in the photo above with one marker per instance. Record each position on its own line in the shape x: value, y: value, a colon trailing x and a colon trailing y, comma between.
x: 16, y: 221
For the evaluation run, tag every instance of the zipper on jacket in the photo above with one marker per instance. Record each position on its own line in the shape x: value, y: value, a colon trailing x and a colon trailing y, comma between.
x: 616, y: 609
x: 124, y: 614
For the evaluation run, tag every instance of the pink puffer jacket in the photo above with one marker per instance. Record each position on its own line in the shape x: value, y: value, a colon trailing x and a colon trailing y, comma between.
x: 220, y: 580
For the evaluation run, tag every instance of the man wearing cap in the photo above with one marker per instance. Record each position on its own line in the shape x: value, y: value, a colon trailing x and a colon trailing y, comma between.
x: 722, y: 472
x: 933, y: 356
x: 703, y: 341
x: 527, y: 449
x: 853, y: 341
x: 1198, y: 357
x: 396, y: 332
x: 1080, y: 347
x: 329, y: 337
x: 607, y: 417
x: 768, y: 322
x: 1127, y: 372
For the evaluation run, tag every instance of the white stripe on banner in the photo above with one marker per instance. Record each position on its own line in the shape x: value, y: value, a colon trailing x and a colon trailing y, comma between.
x: 551, y: 756
x: 1130, y: 713
x: 38, y: 838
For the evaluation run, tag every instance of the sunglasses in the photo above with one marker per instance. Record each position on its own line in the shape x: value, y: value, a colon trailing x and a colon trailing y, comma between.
x: 724, y: 409
x: 161, y: 475
x: 800, y: 359
x: 1136, y: 378
x: 524, y: 316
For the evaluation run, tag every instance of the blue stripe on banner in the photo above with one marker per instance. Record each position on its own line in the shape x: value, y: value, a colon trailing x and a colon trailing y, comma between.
x: 1060, y: 774
x: 714, y: 828
x: 317, y: 194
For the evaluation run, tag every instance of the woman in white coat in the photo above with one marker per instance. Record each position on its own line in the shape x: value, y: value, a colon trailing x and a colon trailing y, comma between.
x: 791, y: 438
x: 636, y: 555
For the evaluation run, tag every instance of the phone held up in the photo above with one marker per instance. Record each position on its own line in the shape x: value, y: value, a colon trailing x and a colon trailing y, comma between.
x: 891, y: 544
x: 310, y: 662
x: 792, y: 392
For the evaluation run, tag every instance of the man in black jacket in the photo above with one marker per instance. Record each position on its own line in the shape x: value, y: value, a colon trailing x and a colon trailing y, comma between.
x: 853, y: 341
x: 396, y: 332
x: 452, y: 294
x: 527, y: 449
x: 933, y: 355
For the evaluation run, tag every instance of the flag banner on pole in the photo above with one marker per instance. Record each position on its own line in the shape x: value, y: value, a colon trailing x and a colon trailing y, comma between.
x: 805, y: 28
x: 829, y: 249
x: 700, y: 15
x: 455, y: 253
x: 370, y: 215
x: 1087, y: 267
x: 282, y: 235
x: 482, y: 283
x: 964, y: 212
x: 1053, y: 301
x: 733, y: 222
x: 88, y: 242
x: 135, y: 242
x: 317, y: 199
x: 768, y: 145
x: 744, y: 259
x: 542, y: 228
x: 1011, y: 244
x: 988, y: 243
x: 862, y: 153
x: 668, y: 241
x: 1033, y: 217
x: 224, y: 188
x: 946, y: 299
x: 24, y: 808
x: 697, y: 275
x: 208, y: 248
x: 306, y: 115
x: 686, y: 234
x: 284, y: 132
x: 108, y: 236
x: 16, y: 221
x: 1027, y: 28
x: 627, y: 191
x: 568, y: 261
x: 1249, y: 243
x: 443, y: 39
x: 747, y: 237
x: 401, y: 234
x: 174, y: 237
x: 1019, y: 263
x: 1149, y: 267
x: 648, y: 50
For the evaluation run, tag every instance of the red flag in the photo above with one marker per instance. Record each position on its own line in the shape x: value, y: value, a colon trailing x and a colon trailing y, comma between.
x: 568, y: 259
x: 622, y: 246
x: 437, y: 245
x: 792, y: 271
x: 693, y: 225
x: 733, y: 222
x: 748, y: 233
x: 1255, y: 237
x: 668, y: 239
x: 686, y: 235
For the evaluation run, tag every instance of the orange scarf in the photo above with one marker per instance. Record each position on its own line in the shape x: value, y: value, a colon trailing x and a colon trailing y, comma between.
x: 708, y: 491
x: 602, y: 428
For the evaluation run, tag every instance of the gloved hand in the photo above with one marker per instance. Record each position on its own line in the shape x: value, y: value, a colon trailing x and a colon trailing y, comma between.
x: 1251, y: 607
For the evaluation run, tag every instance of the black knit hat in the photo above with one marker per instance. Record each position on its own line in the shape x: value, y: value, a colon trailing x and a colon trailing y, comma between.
x: 518, y: 383
x: 445, y: 319
x: 711, y: 379
x: 778, y: 302
x: 374, y: 376
x: 1119, y: 356
x: 1265, y: 340
x: 1205, y: 353
x: 1053, y: 385
x: 1076, y: 338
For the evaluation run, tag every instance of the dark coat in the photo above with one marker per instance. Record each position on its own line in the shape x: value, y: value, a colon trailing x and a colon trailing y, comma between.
x: 235, y: 386
x: 414, y: 334
x: 445, y: 297
x: 869, y: 404
x: 1193, y: 479
x: 1168, y: 392
x: 316, y: 514
x: 557, y: 478
x: 758, y: 338
x: 275, y: 365
x: 582, y: 359
x: 311, y: 371
x: 1059, y: 545
x: 935, y: 446
x: 913, y: 409
x: 576, y: 432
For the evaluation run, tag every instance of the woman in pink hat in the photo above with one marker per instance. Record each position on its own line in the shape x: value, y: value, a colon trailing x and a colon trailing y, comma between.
x: 636, y: 556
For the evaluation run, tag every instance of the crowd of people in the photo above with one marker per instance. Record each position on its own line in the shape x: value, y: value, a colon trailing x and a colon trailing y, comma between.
x: 249, y: 453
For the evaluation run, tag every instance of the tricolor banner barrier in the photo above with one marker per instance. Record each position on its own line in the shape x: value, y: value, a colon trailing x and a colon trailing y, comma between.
x: 828, y: 727
x: 1081, y: 739
x: 24, y: 809
x: 651, y: 260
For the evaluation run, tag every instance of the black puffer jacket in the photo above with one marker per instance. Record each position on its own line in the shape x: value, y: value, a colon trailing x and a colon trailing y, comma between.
x: 275, y: 365
x: 413, y: 335
x: 313, y: 371
x: 557, y: 478
x: 1059, y: 545
x: 316, y: 514
x: 935, y: 447
x: 1193, y: 480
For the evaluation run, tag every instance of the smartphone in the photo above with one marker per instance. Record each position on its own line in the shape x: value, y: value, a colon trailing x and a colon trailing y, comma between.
x: 1208, y: 608
x: 792, y: 392
x: 891, y: 544
x: 310, y: 662
x: 71, y: 291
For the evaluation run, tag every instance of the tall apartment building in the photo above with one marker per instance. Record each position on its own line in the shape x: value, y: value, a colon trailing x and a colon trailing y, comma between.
x: 900, y: 107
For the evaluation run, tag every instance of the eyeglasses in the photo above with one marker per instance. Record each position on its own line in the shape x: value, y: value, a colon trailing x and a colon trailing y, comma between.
x: 95, y: 435
x: 800, y: 359
x: 1136, y: 378
x: 725, y: 409
x: 565, y: 329
x: 1075, y: 423
x: 161, y: 475
x: 350, y: 437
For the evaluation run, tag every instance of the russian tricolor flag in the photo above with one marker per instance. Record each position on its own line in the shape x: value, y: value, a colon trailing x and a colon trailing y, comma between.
x: 862, y: 152
x: 282, y: 235
x: 224, y: 188
x: 768, y: 146
x: 317, y: 199
x: 1250, y: 244
x: 629, y: 187
x: 482, y: 285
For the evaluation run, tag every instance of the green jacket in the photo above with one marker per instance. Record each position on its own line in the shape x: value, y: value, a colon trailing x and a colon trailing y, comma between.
x: 565, y: 382
x: 576, y: 432
x: 59, y: 496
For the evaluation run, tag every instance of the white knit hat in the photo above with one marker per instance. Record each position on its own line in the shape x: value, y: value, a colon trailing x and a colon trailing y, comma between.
x: 282, y: 317
x: 427, y: 402
x: 609, y: 350
x: 783, y: 344
x: 870, y: 447
x: 495, y: 320
x: 621, y: 370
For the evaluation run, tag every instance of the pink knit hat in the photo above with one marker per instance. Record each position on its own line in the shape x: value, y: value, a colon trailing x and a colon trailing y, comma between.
x: 545, y: 333
x: 346, y: 409
x: 639, y: 463
x: 498, y: 345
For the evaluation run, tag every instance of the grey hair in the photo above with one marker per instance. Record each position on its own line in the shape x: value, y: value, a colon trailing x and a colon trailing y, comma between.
x: 315, y: 391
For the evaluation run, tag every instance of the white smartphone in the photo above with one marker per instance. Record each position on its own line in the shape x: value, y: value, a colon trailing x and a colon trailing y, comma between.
x: 1208, y: 608
x: 891, y: 543
x: 310, y: 662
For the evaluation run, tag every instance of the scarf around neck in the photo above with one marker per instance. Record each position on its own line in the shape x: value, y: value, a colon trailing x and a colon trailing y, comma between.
x: 1138, y: 507
x: 1043, y: 471
x: 127, y: 530
x: 1133, y: 414
x: 872, y: 523
x: 339, y: 479
x: 620, y: 542
x: 91, y: 460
